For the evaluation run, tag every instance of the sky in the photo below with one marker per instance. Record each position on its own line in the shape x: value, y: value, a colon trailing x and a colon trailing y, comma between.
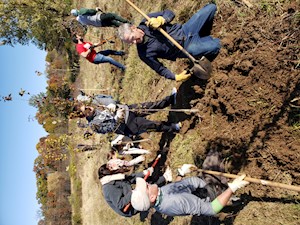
x: 19, y: 133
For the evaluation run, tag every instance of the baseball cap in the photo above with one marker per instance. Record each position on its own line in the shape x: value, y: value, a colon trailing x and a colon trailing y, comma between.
x: 139, y: 198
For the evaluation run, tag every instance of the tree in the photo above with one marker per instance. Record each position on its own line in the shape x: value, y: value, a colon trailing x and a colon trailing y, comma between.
x: 37, y: 21
x: 37, y: 100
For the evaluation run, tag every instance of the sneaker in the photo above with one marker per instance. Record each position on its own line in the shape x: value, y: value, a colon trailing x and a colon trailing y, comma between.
x: 120, y: 53
x: 168, y: 175
x: 174, y: 95
x: 123, y: 69
x: 178, y: 126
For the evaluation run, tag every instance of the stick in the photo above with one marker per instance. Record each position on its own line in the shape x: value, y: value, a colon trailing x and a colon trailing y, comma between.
x: 247, y: 3
x: 168, y: 110
x: 137, y: 141
x: 145, y: 178
x: 254, y: 180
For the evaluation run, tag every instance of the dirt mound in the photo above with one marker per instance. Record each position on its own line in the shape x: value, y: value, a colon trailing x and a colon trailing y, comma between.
x: 247, y: 103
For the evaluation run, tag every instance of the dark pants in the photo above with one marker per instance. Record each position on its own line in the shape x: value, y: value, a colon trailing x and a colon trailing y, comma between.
x: 137, y: 124
x: 112, y: 20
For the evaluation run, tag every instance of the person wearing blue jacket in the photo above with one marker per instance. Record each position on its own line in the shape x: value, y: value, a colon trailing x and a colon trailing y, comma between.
x: 194, y: 36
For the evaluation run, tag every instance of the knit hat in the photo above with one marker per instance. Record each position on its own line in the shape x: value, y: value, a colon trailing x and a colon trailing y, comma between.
x: 139, y: 198
x: 74, y: 12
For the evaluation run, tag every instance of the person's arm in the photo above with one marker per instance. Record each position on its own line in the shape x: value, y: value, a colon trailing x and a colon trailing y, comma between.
x: 88, y: 12
x: 86, y: 53
x: 221, y: 201
x: 168, y: 15
x: 157, y: 66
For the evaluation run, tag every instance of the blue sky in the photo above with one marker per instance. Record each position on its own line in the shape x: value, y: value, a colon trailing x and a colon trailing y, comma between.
x: 19, y: 135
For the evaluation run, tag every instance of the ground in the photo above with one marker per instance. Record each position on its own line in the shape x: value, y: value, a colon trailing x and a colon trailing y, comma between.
x: 248, y: 109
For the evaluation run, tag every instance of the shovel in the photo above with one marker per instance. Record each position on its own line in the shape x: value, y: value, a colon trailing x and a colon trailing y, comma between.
x: 200, y: 68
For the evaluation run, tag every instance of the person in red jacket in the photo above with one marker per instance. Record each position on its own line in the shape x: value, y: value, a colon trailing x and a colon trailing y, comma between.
x: 87, y: 50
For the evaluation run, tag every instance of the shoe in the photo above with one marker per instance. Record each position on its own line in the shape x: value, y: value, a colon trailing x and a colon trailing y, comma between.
x: 120, y: 53
x: 178, y: 126
x: 168, y: 175
x: 174, y: 95
x: 123, y: 69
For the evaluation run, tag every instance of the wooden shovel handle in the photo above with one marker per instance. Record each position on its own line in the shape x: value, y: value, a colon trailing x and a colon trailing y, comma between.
x: 164, y: 33
x: 253, y: 180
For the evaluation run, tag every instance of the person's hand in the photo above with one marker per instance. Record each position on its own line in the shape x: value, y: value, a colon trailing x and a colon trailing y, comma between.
x: 155, y: 22
x: 120, y: 114
x: 237, y: 183
x: 111, y: 107
x: 185, y: 169
x: 118, y: 140
x: 150, y: 170
x: 183, y: 76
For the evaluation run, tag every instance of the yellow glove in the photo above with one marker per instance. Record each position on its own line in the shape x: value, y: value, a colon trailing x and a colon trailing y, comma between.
x: 183, y: 76
x: 155, y: 22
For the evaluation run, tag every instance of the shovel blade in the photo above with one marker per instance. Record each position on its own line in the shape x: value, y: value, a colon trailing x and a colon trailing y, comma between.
x: 202, y: 68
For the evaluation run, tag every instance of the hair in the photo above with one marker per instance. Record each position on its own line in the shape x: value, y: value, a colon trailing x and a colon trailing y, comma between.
x: 76, y: 111
x: 123, y: 30
x: 74, y: 39
x: 104, y: 171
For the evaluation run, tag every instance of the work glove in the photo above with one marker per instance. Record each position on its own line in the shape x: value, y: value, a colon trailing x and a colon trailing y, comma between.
x: 155, y: 22
x: 118, y: 140
x: 150, y: 169
x: 111, y: 107
x: 168, y: 175
x: 185, y: 169
x: 237, y: 183
x: 183, y: 76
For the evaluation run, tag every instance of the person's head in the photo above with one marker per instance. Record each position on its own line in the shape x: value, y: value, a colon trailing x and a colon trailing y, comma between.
x: 130, y: 34
x: 144, y: 195
x: 105, y: 171
x: 77, y: 39
x: 74, y: 12
x: 83, y: 110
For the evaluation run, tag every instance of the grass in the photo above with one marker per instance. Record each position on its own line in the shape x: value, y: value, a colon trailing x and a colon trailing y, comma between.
x: 75, y: 198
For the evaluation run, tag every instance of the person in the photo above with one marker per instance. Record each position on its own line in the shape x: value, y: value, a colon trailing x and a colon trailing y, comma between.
x: 192, y: 35
x: 97, y: 18
x: 115, y: 163
x: 87, y: 50
x: 128, y: 120
x: 99, y: 99
x: 116, y: 187
x: 123, y: 145
x: 179, y: 198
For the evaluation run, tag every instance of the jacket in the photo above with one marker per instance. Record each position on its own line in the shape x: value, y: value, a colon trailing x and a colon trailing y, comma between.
x: 156, y: 45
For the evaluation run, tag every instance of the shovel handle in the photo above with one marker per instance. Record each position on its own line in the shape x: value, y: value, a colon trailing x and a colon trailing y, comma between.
x: 163, y: 32
x: 145, y: 178
x: 253, y: 180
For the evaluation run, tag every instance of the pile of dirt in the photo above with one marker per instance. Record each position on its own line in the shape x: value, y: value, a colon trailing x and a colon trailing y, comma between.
x: 245, y: 109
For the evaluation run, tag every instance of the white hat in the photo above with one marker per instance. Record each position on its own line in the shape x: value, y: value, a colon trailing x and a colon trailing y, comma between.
x: 139, y: 198
x: 74, y: 12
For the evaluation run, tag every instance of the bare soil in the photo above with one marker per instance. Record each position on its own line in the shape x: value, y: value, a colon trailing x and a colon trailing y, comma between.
x: 247, y: 111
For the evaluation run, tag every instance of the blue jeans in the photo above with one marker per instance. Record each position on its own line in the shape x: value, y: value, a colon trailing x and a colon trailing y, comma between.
x: 197, y: 29
x: 102, y: 57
